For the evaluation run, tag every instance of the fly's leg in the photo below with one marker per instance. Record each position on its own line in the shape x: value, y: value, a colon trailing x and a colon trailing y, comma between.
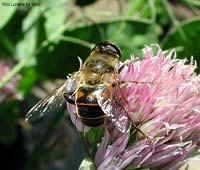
x: 124, y: 99
x: 118, y: 85
x: 124, y: 82
x: 126, y: 63
x: 132, y: 123
x: 140, y: 131
x: 128, y: 81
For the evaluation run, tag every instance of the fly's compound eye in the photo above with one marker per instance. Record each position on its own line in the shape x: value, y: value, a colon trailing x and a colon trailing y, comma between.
x: 108, y: 47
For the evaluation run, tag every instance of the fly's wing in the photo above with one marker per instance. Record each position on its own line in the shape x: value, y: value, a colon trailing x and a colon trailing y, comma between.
x: 113, y: 109
x: 54, y: 100
x: 50, y: 103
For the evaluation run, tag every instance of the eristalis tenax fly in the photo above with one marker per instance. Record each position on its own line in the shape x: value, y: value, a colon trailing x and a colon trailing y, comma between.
x: 91, y: 90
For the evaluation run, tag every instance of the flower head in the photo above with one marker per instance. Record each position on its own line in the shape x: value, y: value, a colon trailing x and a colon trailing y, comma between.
x: 161, y: 96
x: 10, y: 88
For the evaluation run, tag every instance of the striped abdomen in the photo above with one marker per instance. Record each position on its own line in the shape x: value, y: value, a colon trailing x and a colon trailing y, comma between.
x: 88, y: 109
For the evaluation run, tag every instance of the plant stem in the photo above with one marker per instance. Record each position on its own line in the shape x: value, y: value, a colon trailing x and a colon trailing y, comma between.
x: 76, y: 41
x: 14, y: 71
x: 17, y: 68
x: 174, y: 20
x: 45, y: 43
x: 86, y: 144
x: 153, y: 10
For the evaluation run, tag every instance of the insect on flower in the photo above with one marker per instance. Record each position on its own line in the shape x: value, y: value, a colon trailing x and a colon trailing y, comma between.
x: 91, y: 90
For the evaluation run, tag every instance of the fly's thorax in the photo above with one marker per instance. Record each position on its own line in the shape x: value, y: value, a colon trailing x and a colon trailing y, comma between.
x: 101, y: 62
x: 96, y: 66
x: 91, y: 77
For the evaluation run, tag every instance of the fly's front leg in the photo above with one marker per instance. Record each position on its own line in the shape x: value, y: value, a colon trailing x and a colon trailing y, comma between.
x: 126, y: 63
x: 118, y: 84
x: 124, y: 82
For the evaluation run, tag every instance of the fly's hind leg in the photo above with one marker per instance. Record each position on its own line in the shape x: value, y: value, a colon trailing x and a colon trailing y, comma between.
x: 140, y: 131
x: 137, y: 128
x: 119, y: 85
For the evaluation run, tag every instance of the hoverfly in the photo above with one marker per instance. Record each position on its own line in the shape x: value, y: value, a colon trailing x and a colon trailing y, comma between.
x: 91, y: 90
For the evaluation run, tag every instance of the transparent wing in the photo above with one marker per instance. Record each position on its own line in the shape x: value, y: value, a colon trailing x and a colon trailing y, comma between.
x: 50, y: 103
x: 113, y: 109
x: 54, y: 100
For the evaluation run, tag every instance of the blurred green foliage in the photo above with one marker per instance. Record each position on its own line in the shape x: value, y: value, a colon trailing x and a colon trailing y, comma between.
x: 44, y: 38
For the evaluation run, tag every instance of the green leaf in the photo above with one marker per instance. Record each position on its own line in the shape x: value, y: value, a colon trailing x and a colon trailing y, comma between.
x: 185, y: 39
x: 6, y: 43
x: 6, y: 11
x: 135, y: 6
x: 28, y: 80
x: 27, y: 46
x: 54, y: 19
x: 130, y: 35
x: 31, y: 19
x: 61, y: 61
x: 87, y: 164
